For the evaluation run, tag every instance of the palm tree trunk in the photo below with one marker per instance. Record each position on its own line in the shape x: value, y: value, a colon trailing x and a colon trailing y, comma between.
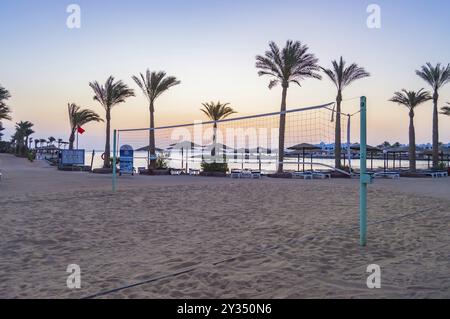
x: 412, y: 143
x: 282, y: 129
x: 213, y: 151
x: 106, y: 163
x: 152, y: 138
x: 71, y: 139
x: 435, y: 130
x: 337, y: 135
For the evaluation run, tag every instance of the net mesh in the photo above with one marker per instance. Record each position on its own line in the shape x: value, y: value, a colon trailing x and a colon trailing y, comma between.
x: 250, y: 142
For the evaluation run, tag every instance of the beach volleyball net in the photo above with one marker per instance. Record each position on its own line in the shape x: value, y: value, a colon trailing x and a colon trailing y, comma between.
x: 245, y: 142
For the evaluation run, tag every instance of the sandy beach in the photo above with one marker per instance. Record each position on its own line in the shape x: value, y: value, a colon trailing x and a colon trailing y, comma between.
x: 194, y: 237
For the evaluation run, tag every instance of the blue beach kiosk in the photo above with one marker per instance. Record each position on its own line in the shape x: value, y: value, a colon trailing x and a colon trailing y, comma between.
x: 126, y: 160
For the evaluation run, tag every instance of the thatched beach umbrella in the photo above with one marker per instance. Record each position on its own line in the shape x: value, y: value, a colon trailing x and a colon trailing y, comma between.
x: 260, y: 150
x: 396, y: 150
x: 370, y: 149
x: 302, y: 148
x: 443, y: 151
x: 182, y: 146
x: 147, y: 148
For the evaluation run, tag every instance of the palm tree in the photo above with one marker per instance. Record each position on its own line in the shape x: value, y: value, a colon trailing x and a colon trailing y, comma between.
x: 436, y: 76
x: 109, y: 95
x: 153, y: 85
x: 342, y: 76
x: 23, y: 132
x: 411, y: 100
x: 446, y: 109
x: 290, y: 65
x: 4, y: 109
x: 216, y: 112
x: 384, y: 145
x: 1, y: 129
x: 77, y: 118
x: 42, y: 141
x: 36, y: 142
x: 51, y: 140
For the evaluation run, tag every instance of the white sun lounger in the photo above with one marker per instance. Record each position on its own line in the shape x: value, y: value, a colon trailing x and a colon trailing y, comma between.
x: 194, y: 172
x: 301, y: 175
x: 176, y: 171
x: 391, y: 175
x: 321, y: 175
x: 437, y: 174
x: 256, y: 174
x: 235, y: 173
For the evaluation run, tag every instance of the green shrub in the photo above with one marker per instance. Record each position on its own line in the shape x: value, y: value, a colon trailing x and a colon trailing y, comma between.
x: 161, y: 163
x: 31, y: 156
x: 442, y: 166
x: 215, y: 167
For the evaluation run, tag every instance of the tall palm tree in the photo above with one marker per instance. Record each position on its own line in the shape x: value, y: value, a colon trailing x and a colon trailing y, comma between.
x: 436, y: 76
x: 23, y: 132
x: 411, y: 100
x: 153, y: 85
x: 36, y: 142
x: 4, y: 109
x: 342, y: 76
x: 77, y: 118
x: 108, y: 95
x: 446, y: 109
x: 216, y: 112
x: 291, y: 64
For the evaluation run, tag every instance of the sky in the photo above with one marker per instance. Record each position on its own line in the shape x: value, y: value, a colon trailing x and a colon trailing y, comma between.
x: 211, y: 47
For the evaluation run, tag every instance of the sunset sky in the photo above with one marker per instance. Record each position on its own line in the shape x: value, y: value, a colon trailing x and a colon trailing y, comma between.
x: 211, y: 47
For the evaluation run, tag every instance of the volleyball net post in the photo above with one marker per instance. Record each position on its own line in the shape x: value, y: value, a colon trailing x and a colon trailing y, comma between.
x: 365, y: 179
x: 114, y: 162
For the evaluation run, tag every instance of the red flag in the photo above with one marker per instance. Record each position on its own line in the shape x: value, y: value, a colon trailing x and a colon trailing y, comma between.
x: 81, y: 130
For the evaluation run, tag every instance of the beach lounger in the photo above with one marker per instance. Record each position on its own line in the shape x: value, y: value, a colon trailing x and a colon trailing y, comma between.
x: 246, y: 174
x: 302, y: 175
x: 391, y: 175
x: 436, y: 174
x: 235, y: 173
x: 176, y: 172
x: 321, y: 175
x: 256, y: 174
x: 194, y: 172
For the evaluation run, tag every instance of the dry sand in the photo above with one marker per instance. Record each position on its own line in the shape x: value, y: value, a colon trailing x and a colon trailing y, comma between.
x: 234, y: 238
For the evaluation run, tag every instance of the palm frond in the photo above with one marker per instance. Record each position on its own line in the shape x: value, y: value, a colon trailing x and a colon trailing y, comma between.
x: 80, y: 117
x: 111, y: 93
x: 342, y: 76
x: 292, y: 64
x: 436, y: 76
x: 154, y: 84
x: 411, y: 99
x: 445, y: 110
x: 217, y: 111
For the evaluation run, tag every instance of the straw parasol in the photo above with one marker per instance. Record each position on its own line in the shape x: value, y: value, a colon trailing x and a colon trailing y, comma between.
x: 301, y: 149
x: 370, y: 149
x: 396, y: 150
x: 181, y: 146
